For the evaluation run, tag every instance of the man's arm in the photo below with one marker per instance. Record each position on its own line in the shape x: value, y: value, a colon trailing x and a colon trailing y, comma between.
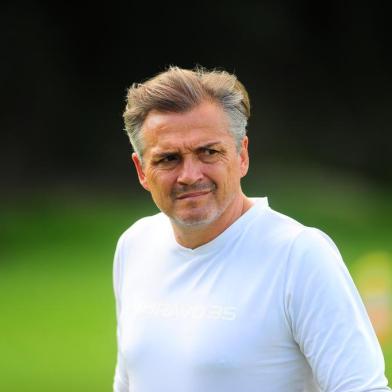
x: 328, y: 319
x: 121, y: 382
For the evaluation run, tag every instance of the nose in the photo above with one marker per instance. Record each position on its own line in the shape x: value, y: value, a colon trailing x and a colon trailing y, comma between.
x: 190, y: 171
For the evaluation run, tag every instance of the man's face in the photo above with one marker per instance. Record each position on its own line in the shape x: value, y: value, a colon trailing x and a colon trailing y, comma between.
x: 191, y: 165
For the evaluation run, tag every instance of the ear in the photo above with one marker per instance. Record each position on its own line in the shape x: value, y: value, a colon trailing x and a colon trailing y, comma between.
x: 244, y: 157
x: 139, y: 169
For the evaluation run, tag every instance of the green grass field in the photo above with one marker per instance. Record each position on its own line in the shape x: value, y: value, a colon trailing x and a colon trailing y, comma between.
x: 58, y: 321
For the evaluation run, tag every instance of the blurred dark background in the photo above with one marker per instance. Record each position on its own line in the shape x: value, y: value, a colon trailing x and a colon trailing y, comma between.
x: 318, y: 75
x: 319, y: 78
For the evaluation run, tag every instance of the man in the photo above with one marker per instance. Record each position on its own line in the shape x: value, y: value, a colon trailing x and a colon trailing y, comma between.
x: 218, y: 292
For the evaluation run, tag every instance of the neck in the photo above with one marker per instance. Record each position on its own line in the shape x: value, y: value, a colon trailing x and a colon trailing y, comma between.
x: 193, y: 237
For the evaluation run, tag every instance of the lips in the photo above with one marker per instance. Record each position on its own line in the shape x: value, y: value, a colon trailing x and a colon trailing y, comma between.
x: 193, y: 191
x: 192, y: 194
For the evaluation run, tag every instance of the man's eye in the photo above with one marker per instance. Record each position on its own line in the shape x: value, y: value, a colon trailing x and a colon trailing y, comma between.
x: 168, y: 159
x: 208, y: 151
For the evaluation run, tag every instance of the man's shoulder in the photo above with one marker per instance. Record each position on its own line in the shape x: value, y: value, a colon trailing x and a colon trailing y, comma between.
x: 307, y: 248
x: 278, y: 224
x: 145, y: 228
x: 282, y: 229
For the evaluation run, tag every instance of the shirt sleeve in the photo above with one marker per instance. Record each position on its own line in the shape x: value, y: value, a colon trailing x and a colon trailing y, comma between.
x: 328, y: 319
x: 120, y: 376
x: 121, y: 382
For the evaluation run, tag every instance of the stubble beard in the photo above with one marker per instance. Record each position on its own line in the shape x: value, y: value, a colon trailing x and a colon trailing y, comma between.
x: 203, y: 220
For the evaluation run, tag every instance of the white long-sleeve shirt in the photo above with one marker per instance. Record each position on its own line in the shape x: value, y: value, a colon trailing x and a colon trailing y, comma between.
x: 268, y: 305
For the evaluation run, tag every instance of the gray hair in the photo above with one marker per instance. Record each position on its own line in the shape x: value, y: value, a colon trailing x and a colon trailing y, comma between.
x: 179, y: 90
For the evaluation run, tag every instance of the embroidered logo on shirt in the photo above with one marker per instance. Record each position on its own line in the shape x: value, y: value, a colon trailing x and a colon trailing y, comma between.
x: 184, y: 311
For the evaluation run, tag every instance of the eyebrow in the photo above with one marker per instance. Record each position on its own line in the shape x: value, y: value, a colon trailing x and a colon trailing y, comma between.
x: 163, y: 154
x: 209, y: 145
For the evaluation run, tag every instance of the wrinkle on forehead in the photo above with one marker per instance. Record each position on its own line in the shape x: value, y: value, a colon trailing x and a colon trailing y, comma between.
x: 186, y: 131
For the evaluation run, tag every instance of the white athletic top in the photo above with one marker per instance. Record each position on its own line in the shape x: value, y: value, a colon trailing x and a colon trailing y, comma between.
x: 268, y: 305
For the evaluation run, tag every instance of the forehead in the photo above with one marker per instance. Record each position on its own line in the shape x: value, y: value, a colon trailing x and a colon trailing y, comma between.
x: 205, y: 123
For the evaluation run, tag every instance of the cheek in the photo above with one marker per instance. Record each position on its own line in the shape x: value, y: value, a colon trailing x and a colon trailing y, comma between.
x: 231, y: 177
x: 161, y: 181
x: 228, y: 171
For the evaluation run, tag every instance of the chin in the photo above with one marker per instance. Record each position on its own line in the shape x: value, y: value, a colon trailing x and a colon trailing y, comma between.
x: 196, y: 220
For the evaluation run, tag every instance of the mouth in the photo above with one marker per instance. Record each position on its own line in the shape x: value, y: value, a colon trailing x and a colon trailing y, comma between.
x: 192, y: 195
